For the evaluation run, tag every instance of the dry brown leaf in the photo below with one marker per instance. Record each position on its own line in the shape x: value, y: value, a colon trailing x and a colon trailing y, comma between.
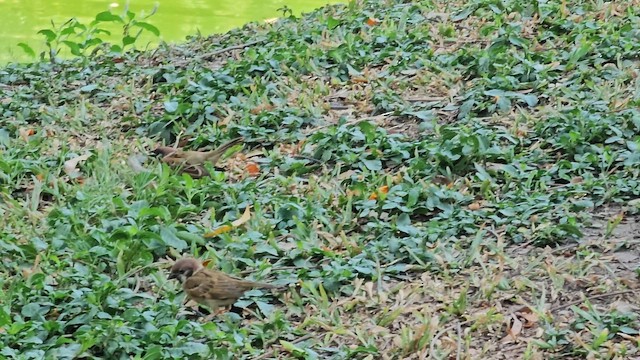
x: 262, y: 107
x: 25, y: 133
x: 623, y: 307
x: 515, y: 327
x: 34, y: 269
x: 577, y: 180
x: 372, y: 21
x: 531, y: 319
x: 381, y: 190
x: 475, y: 206
x: 70, y: 166
x: 252, y: 168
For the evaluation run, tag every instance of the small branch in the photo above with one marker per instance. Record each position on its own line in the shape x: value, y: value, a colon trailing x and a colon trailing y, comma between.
x: 425, y: 99
x: 458, y: 325
x: 459, y: 329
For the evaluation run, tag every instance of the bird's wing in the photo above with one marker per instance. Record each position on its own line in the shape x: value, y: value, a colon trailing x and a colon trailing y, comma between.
x: 207, y: 284
x: 197, y: 286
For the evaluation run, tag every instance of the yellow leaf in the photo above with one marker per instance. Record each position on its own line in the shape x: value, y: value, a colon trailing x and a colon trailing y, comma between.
x: 244, y: 218
x: 221, y: 230
x: 226, y: 228
x: 382, y: 190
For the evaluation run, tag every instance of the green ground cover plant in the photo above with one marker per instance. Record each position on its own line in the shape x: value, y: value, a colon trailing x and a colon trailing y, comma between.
x: 430, y: 179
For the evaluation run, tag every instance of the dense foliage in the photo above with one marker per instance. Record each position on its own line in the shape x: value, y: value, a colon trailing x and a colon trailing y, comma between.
x: 414, y: 161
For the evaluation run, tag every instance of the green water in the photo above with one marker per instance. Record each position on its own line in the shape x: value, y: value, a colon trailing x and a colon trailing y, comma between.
x: 20, y: 20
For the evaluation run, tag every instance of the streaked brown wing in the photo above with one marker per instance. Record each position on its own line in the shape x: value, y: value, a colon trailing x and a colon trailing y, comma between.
x: 208, y: 284
x: 198, y: 285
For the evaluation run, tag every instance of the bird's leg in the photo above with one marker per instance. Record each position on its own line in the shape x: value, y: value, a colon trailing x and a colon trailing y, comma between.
x: 214, y: 313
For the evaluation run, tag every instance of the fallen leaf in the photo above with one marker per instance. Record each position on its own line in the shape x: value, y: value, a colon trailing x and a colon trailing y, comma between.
x: 25, y: 133
x: 515, y: 327
x: 262, y: 107
x: 70, y: 166
x: 372, y: 21
x: 135, y: 163
x: 252, y: 168
x: 531, y: 318
x: 244, y: 218
x: 226, y: 228
x: 381, y: 190
x: 359, y: 80
x: 475, y: 206
x: 221, y: 230
x: 34, y: 269
x: 623, y: 307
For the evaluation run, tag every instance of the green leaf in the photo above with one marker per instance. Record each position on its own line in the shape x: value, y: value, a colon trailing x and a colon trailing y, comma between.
x: 171, y: 106
x: 290, y: 347
x: 265, y: 308
x: 31, y: 309
x: 75, y: 49
x: 27, y: 49
x: 601, y: 338
x: 193, y: 348
x: 403, y: 223
x: 372, y: 164
x: 88, y: 88
x: 461, y: 15
x: 128, y: 40
x: 332, y: 22
x: 5, y: 319
x: 69, y: 351
x: 108, y: 16
x: 50, y: 35
x: 150, y: 28
x: 169, y: 237
x: 580, y: 52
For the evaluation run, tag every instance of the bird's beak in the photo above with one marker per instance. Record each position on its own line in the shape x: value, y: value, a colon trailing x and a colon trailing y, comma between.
x: 172, y: 276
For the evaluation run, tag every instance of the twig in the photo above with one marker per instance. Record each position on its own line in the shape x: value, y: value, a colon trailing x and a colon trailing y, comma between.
x: 448, y: 328
x: 175, y: 145
x: 425, y: 99
x: 272, y: 351
x: 596, y: 297
x: 459, y: 329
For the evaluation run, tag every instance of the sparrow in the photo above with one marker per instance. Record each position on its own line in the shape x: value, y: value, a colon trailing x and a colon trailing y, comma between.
x: 173, y: 156
x: 209, y: 287
x: 196, y: 171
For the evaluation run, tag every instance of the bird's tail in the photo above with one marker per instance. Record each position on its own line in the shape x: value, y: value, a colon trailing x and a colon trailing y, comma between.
x: 260, y: 285
x: 220, y: 150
